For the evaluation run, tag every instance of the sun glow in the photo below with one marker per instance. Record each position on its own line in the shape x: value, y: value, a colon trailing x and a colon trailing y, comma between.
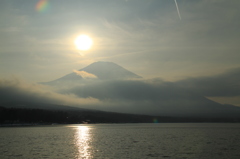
x: 83, y: 42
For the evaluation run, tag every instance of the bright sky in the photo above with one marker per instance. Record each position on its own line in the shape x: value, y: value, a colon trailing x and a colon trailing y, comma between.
x: 146, y: 37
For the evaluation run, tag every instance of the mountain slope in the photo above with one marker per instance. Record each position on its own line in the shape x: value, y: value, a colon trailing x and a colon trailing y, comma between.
x: 109, y: 70
x: 142, y: 97
x: 97, y: 70
x: 107, y: 83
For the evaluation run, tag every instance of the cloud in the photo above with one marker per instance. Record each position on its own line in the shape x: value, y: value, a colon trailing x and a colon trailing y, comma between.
x: 156, y: 96
x: 85, y: 74
x: 221, y: 85
x: 19, y: 91
x: 152, y: 97
x: 128, y: 90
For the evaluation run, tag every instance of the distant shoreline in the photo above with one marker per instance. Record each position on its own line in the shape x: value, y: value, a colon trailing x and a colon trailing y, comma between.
x: 60, y: 124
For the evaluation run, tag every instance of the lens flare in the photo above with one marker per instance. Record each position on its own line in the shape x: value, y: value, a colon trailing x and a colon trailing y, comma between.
x: 155, y: 120
x: 42, y: 5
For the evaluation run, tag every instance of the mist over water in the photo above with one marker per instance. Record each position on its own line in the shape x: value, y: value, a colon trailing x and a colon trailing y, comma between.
x: 163, y: 140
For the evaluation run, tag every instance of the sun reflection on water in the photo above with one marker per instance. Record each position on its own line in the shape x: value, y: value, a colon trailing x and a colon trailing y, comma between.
x: 82, y: 138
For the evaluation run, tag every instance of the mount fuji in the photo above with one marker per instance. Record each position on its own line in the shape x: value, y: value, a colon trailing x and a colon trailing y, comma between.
x: 123, y: 92
x: 97, y: 70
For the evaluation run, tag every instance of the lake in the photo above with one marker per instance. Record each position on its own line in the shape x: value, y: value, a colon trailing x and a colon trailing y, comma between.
x: 122, y: 141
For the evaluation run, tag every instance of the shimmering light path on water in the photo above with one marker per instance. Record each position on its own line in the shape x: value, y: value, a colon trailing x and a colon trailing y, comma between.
x: 83, y: 139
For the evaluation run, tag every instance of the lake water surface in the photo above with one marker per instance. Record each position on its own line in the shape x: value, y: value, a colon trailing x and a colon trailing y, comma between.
x: 122, y: 141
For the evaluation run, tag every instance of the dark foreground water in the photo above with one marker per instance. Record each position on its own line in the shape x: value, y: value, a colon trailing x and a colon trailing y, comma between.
x: 113, y: 141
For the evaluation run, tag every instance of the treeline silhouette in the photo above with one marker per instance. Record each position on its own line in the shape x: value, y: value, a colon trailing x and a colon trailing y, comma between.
x: 43, y: 116
x: 26, y: 115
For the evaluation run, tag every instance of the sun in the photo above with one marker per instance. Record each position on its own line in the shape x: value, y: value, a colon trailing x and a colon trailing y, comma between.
x: 83, y: 42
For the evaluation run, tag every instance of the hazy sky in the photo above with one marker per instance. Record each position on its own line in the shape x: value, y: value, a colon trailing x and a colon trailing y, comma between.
x: 199, y: 52
x: 145, y: 36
